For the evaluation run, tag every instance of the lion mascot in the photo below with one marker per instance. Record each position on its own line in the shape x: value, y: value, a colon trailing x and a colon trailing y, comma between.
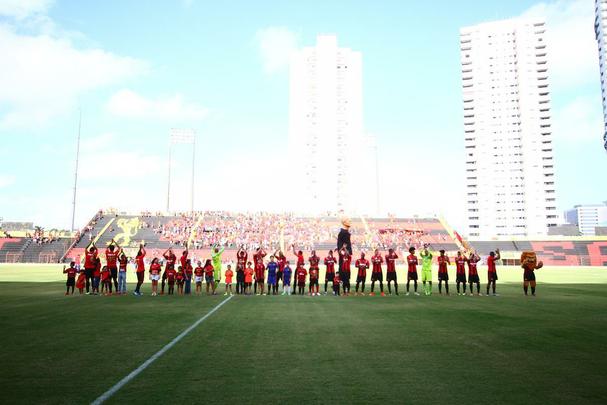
x: 529, y: 263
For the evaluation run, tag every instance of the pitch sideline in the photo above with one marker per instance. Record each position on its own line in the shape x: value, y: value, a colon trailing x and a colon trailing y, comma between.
x: 108, y: 394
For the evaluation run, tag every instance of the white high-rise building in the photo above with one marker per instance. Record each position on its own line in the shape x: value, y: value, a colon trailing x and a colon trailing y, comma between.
x: 508, y: 136
x: 600, y: 28
x: 327, y: 142
x: 587, y: 217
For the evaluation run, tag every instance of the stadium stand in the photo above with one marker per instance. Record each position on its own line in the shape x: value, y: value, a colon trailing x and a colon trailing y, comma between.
x: 201, y: 230
x: 231, y: 230
x: 557, y: 251
x: 11, y: 249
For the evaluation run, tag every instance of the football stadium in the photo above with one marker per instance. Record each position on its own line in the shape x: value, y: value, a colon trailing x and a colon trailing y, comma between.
x: 355, y: 348
x: 198, y: 205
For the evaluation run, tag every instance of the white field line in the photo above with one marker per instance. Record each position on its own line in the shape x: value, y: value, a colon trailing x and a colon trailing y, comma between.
x: 106, y: 395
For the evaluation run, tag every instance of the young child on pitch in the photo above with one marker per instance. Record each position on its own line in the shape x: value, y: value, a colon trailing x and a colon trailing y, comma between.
x: 106, y: 281
x: 286, y: 279
x: 81, y: 282
x: 71, y: 278
x: 209, y: 271
x: 229, y: 274
x: 180, y: 280
x: 155, y: 272
x: 336, y: 283
x: 198, y: 276
x: 96, y: 276
x: 171, y: 277
x: 301, y: 273
x: 248, y: 278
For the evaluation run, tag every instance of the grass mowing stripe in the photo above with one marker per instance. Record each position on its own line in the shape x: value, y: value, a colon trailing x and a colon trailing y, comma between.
x: 105, y: 396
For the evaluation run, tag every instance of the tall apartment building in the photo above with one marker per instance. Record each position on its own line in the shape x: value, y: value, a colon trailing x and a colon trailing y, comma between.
x: 327, y: 141
x: 507, y: 127
x: 600, y: 28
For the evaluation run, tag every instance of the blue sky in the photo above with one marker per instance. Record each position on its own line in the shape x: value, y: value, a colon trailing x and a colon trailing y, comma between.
x: 137, y: 68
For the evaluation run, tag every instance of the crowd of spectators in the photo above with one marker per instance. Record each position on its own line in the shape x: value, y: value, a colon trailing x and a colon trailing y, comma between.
x: 232, y: 230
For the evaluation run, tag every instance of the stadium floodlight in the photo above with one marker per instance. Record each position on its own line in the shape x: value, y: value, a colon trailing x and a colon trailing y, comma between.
x: 181, y: 136
x: 76, y: 170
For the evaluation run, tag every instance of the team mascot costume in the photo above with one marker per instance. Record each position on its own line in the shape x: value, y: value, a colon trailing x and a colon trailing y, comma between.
x: 529, y: 263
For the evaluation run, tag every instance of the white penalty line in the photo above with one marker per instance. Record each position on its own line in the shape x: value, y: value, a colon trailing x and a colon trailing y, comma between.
x: 105, y: 396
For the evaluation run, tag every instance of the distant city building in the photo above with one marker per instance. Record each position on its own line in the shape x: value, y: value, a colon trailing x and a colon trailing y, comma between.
x: 328, y: 145
x: 564, y: 230
x: 507, y: 129
x: 600, y: 28
x: 588, y: 217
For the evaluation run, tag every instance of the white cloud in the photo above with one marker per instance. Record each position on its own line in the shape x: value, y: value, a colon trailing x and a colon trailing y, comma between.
x: 127, y: 103
x: 572, y: 47
x: 21, y: 9
x: 6, y: 180
x: 275, y: 46
x: 47, y: 73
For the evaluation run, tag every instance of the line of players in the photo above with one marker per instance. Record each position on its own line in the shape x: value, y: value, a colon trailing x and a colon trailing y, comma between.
x: 251, y: 276
x: 341, y: 279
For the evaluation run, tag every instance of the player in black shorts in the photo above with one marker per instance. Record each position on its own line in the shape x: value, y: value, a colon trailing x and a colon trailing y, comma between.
x: 330, y: 262
x: 443, y: 274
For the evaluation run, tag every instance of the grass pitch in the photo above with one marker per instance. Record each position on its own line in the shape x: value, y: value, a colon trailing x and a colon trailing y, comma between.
x: 437, y: 349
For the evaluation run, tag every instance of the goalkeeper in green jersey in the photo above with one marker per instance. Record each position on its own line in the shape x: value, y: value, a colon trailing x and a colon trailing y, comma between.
x: 426, y: 256
x: 216, y: 257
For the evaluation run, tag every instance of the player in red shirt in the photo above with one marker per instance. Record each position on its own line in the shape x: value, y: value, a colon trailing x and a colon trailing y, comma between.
x: 391, y: 270
x: 330, y: 262
x: 90, y: 257
x: 111, y: 258
x: 301, y: 274
x: 443, y: 274
x: 260, y: 253
x: 344, y: 275
x: 170, y: 259
x: 472, y: 260
x: 300, y: 256
x: 260, y: 274
x: 71, y: 277
x: 491, y: 270
x: 140, y: 271
x: 281, y: 260
x: 155, y: 274
x: 259, y: 268
x: 241, y: 262
x: 198, y: 277
x: 184, y: 258
x: 460, y: 272
x: 412, y: 270
x: 314, y: 273
x: 362, y: 265
x: 377, y: 273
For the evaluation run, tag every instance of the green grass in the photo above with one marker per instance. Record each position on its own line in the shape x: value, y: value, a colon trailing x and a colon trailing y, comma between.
x: 507, y: 349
